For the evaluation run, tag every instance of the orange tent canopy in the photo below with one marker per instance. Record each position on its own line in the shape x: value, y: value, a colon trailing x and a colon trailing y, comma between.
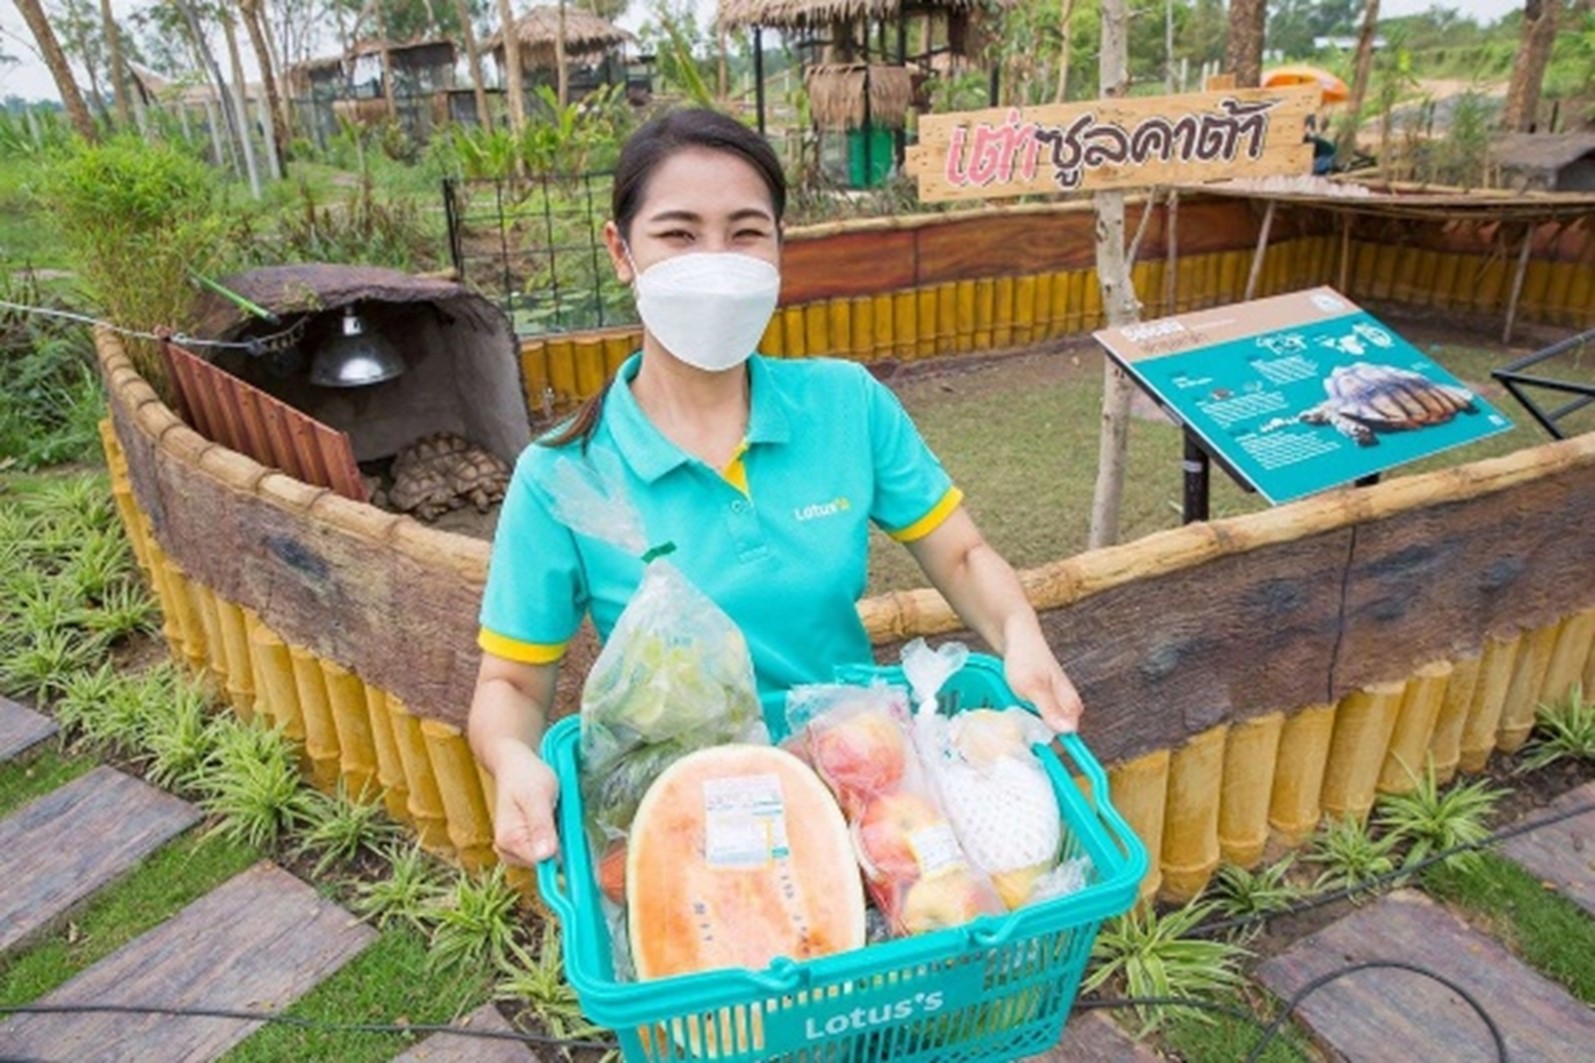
x: 1335, y: 90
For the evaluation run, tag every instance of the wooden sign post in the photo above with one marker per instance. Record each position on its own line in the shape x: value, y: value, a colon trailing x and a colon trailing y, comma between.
x: 1114, y: 143
x: 1104, y: 146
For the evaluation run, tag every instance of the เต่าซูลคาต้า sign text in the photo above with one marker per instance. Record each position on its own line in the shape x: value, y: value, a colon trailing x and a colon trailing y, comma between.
x: 1114, y: 143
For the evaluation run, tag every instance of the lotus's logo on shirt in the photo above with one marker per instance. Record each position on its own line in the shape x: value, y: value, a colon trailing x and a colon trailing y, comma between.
x: 816, y: 510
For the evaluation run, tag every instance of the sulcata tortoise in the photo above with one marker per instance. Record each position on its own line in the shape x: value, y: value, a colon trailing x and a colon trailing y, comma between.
x: 1364, y: 399
x: 441, y: 472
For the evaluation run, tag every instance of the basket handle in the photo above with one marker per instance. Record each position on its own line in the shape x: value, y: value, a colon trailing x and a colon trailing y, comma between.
x: 1088, y: 766
x: 784, y: 975
x: 551, y: 884
x: 984, y: 936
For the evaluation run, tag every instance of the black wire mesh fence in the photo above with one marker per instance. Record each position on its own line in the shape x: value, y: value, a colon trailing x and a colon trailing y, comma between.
x: 535, y: 246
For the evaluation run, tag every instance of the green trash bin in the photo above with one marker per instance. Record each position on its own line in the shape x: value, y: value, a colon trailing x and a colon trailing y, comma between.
x: 882, y: 156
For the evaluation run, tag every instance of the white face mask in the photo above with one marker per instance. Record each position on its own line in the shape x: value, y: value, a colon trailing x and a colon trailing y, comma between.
x: 708, y: 308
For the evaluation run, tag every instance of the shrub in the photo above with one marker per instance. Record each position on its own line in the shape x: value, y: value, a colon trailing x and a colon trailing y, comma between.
x: 136, y: 217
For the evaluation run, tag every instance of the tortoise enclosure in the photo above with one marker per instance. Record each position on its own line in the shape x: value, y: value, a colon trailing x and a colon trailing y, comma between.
x: 1244, y: 675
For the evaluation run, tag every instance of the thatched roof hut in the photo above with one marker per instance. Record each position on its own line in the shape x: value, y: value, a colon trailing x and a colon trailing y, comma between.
x: 796, y: 14
x: 1547, y: 162
x: 836, y: 95
x: 586, y: 36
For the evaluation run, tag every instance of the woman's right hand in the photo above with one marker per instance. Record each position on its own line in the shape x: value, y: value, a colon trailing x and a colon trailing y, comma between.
x: 523, y: 816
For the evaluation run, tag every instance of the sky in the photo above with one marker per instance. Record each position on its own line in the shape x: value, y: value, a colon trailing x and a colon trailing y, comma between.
x: 30, y: 79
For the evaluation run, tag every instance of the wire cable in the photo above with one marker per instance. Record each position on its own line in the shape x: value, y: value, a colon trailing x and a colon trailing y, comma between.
x: 1271, y: 1031
x: 302, y: 1023
x: 1373, y: 882
x: 1274, y: 1027
x: 256, y: 346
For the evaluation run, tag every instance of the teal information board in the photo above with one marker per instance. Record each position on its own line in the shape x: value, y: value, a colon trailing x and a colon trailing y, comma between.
x: 1301, y: 392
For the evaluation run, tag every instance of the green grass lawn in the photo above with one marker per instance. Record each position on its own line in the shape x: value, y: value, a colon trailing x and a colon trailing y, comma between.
x: 387, y: 983
x: 36, y: 773
x: 1548, y: 931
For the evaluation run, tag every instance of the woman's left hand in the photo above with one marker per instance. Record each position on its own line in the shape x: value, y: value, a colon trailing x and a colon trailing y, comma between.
x: 1033, y: 672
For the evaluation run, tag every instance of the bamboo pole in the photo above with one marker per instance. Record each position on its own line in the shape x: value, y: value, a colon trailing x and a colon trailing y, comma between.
x: 240, y: 684
x: 1566, y: 667
x: 424, y: 802
x: 1190, y: 851
x: 1405, y: 761
x: 1364, y: 723
x: 469, y: 826
x: 390, y: 766
x: 276, y: 695
x: 1517, y: 283
x: 1522, y: 693
x: 1445, y: 746
x: 1489, y: 694
x: 1343, y: 285
x: 357, y: 751
x: 1261, y: 252
x: 1140, y: 791
x: 1293, y: 806
x: 181, y: 603
x: 321, y: 734
x: 1250, y: 756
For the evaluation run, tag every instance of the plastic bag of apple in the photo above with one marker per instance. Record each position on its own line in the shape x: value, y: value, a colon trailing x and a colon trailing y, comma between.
x: 951, y: 817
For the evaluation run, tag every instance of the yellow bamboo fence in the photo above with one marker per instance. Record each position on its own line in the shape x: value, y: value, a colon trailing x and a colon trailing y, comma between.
x: 919, y: 287
x: 1244, y: 677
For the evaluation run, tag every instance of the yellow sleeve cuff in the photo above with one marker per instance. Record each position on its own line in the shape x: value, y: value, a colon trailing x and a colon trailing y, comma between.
x: 932, y: 520
x: 516, y: 650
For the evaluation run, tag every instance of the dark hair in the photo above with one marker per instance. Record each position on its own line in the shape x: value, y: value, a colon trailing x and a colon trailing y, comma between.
x: 644, y: 152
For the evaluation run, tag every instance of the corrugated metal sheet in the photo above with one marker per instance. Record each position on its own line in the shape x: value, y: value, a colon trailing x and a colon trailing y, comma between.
x: 241, y: 416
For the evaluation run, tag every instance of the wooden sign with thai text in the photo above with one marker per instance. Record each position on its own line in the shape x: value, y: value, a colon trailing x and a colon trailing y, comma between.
x: 1114, y: 143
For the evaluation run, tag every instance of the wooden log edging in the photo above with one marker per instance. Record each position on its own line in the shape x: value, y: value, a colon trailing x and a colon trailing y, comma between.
x: 1230, y: 668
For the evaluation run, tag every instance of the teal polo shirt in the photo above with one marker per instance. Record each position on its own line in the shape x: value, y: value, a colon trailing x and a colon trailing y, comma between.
x: 779, y: 540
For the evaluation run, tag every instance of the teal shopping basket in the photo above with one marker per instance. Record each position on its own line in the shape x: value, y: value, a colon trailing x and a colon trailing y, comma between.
x: 995, y: 989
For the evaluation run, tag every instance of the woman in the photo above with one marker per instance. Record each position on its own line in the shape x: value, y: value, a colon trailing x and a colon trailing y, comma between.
x: 765, y: 474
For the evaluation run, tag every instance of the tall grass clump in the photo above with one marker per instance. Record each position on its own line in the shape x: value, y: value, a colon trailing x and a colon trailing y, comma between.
x: 136, y: 217
x: 50, y: 399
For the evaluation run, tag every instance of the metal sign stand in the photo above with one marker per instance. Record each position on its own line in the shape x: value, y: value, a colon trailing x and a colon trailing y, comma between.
x: 1514, y: 378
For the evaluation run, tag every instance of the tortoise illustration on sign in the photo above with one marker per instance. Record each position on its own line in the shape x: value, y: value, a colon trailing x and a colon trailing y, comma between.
x: 1365, y: 399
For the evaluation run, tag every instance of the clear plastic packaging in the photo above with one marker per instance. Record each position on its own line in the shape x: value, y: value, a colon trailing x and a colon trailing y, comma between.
x: 994, y: 790
x: 674, y: 676
x: 859, y: 741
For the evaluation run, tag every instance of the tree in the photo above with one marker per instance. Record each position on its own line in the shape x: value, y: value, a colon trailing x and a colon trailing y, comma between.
x: 55, y: 60
x: 1118, y: 298
x: 1243, y: 52
x: 512, y: 70
x: 113, y: 45
x: 281, y: 120
x: 1528, y: 70
x: 1294, y: 24
x: 1359, y: 80
x: 81, y: 33
x: 474, y: 55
